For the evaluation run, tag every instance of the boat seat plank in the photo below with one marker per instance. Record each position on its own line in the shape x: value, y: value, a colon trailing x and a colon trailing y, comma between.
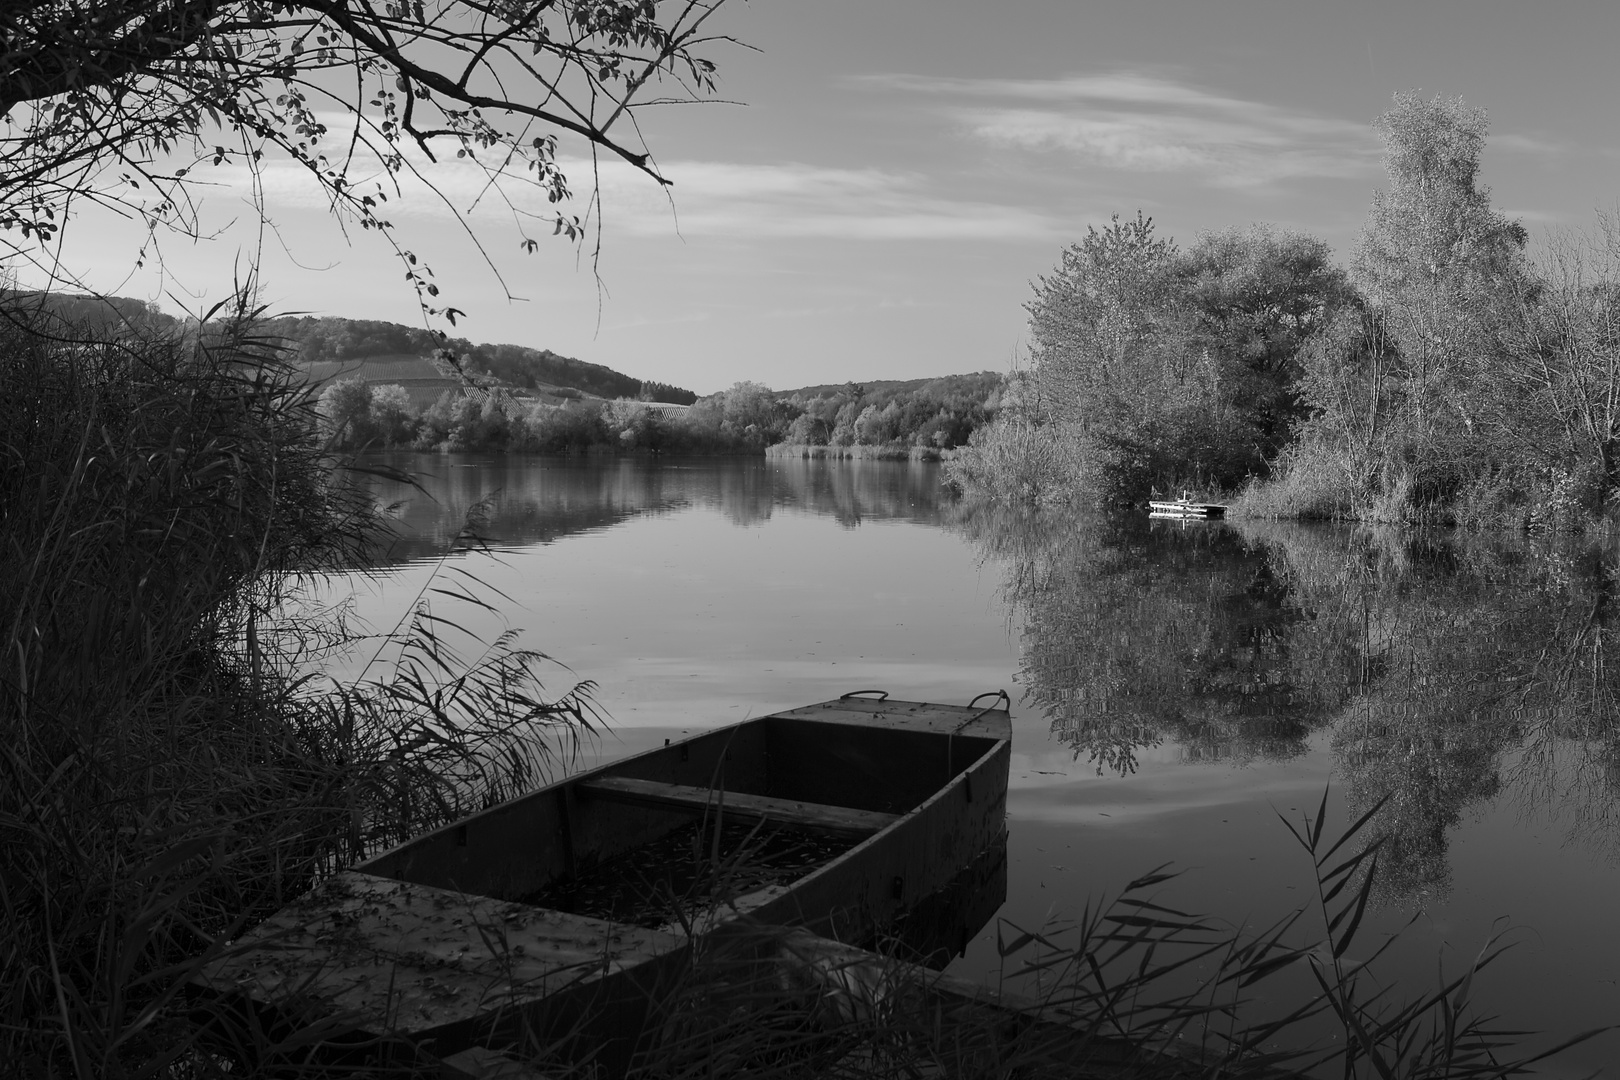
x: 836, y: 819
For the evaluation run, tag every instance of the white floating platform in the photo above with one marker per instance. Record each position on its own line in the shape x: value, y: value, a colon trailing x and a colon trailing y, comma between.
x: 1184, y: 508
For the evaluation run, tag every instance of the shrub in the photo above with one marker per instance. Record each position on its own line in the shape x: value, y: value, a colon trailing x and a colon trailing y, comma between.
x: 1308, y: 482
x: 550, y: 429
x: 1014, y: 461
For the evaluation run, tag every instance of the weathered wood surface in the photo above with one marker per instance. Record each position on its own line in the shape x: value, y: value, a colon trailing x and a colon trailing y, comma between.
x: 834, y: 819
x: 406, y: 959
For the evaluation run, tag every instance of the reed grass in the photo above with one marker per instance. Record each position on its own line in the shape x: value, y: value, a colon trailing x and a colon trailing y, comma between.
x: 169, y: 772
x: 1018, y: 461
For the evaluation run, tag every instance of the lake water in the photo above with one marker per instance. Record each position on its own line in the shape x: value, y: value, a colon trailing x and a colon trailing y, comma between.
x: 1176, y: 688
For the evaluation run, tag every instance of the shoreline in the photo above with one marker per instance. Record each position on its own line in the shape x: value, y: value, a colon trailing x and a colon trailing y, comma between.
x: 858, y: 452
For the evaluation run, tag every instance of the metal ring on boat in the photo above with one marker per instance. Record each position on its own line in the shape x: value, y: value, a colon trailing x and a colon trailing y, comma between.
x: 883, y: 695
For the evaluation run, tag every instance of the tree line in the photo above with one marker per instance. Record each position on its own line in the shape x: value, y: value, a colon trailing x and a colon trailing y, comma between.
x: 937, y: 413
x: 941, y: 413
x: 1450, y: 373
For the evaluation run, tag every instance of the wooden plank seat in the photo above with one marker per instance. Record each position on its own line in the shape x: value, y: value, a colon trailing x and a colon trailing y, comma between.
x: 806, y: 815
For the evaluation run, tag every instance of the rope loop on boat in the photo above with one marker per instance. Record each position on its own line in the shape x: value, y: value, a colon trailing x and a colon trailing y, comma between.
x: 1000, y: 695
x: 882, y: 695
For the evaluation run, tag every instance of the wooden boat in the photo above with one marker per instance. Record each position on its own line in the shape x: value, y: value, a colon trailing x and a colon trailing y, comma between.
x: 551, y: 916
x: 1184, y: 508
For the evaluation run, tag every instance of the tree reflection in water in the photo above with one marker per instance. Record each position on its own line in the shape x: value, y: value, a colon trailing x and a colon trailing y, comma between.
x: 520, y: 499
x: 1443, y: 671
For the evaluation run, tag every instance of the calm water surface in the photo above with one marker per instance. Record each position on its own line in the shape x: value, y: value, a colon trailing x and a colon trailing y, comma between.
x: 1175, y: 688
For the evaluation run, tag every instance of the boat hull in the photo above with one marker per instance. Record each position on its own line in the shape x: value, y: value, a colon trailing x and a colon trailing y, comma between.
x: 431, y: 944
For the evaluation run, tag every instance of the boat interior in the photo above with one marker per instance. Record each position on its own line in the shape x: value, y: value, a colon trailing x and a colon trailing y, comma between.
x: 832, y: 784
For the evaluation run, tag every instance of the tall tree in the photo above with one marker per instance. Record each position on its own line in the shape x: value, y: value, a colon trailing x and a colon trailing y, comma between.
x: 1562, y: 369
x: 1437, y: 264
x: 1094, y: 317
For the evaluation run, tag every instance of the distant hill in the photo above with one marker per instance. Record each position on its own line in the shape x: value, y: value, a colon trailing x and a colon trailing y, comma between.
x: 330, y: 340
x: 423, y: 382
x: 989, y: 379
x: 374, y: 350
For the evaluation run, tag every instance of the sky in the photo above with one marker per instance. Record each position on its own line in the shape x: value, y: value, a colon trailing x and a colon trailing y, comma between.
x: 888, y: 176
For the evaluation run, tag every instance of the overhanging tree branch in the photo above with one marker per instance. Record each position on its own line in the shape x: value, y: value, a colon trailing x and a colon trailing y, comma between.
x: 99, y: 96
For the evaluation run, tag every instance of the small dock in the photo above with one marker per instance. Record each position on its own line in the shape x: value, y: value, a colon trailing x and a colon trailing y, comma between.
x: 1185, y: 508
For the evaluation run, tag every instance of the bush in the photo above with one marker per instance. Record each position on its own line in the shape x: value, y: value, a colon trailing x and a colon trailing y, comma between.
x: 1016, y: 462
x: 566, y: 429
x: 1308, y: 482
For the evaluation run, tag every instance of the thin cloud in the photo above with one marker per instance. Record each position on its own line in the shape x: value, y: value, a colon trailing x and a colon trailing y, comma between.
x: 1136, y: 122
x: 797, y: 200
x: 1529, y: 144
x: 1533, y: 217
x: 718, y: 199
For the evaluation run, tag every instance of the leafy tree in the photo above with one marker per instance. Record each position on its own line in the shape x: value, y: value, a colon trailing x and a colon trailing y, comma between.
x: 808, y: 429
x: 1127, y: 377
x: 1561, y: 369
x: 392, y: 415
x: 843, y: 429
x: 1437, y: 265
x: 345, y: 409
x: 749, y: 413
x: 1252, y: 298
x: 1347, y: 385
x: 634, y: 426
x: 118, y: 102
x: 1093, y: 318
x: 551, y: 429
x: 1168, y: 369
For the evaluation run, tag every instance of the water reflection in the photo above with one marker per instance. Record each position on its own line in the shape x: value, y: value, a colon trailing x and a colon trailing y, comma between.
x: 1444, y: 671
x: 1136, y: 634
x: 515, y: 500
